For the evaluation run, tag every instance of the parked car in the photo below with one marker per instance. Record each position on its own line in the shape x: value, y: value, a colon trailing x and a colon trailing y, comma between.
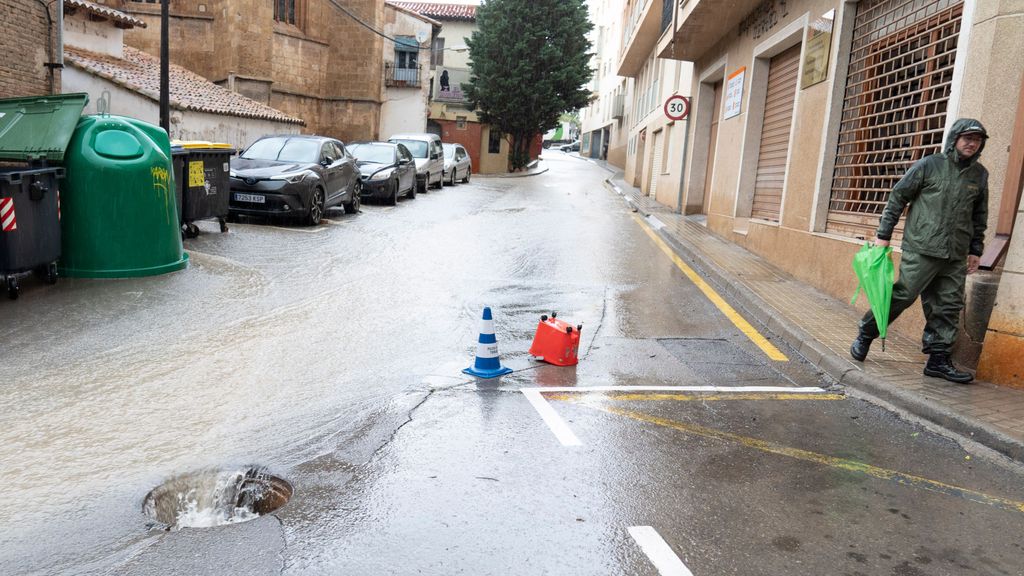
x: 388, y: 170
x: 574, y: 147
x: 457, y: 164
x: 296, y: 176
x: 426, y: 149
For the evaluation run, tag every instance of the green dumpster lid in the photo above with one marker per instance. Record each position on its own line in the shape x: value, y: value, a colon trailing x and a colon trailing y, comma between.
x: 39, y: 127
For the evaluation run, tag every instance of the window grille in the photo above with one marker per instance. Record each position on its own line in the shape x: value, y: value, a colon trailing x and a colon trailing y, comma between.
x: 894, y: 110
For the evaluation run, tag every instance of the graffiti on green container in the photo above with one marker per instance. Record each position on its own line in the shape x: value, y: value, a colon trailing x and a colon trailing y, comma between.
x: 161, y: 179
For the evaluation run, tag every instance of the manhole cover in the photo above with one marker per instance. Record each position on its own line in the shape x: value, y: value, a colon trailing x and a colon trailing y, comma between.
x: 216, y: 497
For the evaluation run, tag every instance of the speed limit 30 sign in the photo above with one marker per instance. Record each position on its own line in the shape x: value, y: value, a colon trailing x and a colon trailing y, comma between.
x: 677, y: 107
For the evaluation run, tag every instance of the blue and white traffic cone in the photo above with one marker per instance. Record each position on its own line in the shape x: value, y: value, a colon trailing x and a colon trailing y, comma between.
x: 487, y: 364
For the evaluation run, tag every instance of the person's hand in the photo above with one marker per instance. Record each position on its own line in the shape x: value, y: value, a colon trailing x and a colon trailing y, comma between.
x: 972, y: 263
x: 880, y: 242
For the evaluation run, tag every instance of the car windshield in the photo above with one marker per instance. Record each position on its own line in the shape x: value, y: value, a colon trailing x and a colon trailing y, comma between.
x: 376, y: 153
x: 449, y: 151
x: 284, y: 150
x: 418, y: 148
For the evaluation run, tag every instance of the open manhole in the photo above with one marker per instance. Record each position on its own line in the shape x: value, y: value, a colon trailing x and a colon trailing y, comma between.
x: 216, y: 497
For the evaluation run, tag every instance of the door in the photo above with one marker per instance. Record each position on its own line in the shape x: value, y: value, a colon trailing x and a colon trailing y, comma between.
x: 775, y: 133
x: 407, y: 169
x: 658, y: 151
x: 712, y: 148
x: 641, y: 147
x: 349, y: 172
x: 333, y: 182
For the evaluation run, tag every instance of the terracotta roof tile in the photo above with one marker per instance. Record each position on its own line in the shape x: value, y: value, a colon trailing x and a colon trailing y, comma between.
x: 458, y: 12
x: 140, y: 72
x: 117, y: 16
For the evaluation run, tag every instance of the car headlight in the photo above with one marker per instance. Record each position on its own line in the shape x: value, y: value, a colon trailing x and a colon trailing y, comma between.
x: 293, y: 177
x: 233, y: 174
x: 382, y: 174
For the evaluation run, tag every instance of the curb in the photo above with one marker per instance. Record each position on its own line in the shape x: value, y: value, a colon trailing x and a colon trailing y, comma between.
x: 844, y: 372
x: 513, y: 174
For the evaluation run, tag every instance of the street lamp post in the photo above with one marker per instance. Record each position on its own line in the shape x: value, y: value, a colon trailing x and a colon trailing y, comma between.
x: 165, y: 71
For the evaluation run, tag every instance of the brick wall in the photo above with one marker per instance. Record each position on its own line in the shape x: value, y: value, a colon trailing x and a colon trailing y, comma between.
x: 23, y: 49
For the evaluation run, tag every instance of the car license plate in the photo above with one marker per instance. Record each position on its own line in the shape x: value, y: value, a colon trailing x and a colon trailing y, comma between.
x: 254, y: 198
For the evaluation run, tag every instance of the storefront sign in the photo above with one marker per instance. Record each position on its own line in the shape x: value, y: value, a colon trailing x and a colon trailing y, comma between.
x: 677, y: 107
x: 817, y: 49
x: 763, y: 18
x: 734, y: 93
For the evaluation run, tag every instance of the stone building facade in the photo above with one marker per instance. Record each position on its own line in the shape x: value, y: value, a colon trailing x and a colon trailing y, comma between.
x: 25, y: 71
x: 311, y: 59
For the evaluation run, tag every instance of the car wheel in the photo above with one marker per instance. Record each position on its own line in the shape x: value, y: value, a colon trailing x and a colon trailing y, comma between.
x: 411, y: 194
x: 451, y: 181
x: 393, y: 197
x: 466, y: 179
x: 316, y: 207
x: 353, y: 206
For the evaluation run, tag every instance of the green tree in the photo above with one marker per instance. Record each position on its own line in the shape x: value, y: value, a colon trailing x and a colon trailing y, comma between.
x: 529, y: 63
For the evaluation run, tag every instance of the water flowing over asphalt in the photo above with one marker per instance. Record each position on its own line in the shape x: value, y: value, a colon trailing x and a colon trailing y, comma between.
x: 278, y: 344
x: 331, y: 357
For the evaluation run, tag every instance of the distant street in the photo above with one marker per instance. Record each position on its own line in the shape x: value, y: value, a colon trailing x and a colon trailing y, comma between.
x: 333, y: 356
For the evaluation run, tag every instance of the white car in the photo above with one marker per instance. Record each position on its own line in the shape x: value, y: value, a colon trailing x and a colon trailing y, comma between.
x: 426, y: 150
x: 457, y: 164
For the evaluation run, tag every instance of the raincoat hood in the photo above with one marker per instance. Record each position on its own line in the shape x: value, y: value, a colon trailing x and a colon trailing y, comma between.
x: 959, y: 127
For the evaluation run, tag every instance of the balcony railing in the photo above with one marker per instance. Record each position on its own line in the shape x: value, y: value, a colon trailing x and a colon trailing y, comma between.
x: 395, y: 77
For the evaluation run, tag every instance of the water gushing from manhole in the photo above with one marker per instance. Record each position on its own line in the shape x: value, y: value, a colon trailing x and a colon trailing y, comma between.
x: 216, y: 497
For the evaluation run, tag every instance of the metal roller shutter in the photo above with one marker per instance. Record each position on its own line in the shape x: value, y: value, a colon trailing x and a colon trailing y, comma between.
x: 775, y: 133
x: 659, y: 150
x: 894, y: 111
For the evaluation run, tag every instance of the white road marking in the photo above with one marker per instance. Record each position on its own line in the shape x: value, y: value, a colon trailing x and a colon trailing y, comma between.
x: 717, y: 389
x: 659, y: 552
x: 551, y: 418
x: 561, y: 430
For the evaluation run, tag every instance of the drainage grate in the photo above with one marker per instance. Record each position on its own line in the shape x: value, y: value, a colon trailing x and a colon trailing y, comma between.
x: 720, y: 362
x: 216, y: 497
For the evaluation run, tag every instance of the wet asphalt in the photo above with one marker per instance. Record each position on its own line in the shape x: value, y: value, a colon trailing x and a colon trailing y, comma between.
x: 333, y: 356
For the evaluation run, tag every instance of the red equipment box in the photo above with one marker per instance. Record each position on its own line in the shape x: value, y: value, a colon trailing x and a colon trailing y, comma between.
x: 556, y: 342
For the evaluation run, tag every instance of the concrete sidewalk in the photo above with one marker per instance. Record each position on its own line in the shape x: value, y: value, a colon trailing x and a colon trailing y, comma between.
x: 822, y: 328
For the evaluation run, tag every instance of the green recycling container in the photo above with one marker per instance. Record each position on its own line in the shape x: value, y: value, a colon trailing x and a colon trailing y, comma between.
x: 118, y: 211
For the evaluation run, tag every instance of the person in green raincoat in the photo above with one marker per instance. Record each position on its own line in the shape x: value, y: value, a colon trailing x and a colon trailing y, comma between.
x: 943, y: 240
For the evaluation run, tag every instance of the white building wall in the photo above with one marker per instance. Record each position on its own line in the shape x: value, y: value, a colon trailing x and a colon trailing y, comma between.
x: 97, y: 37
x: 406, y: 109
x: 185, y: 125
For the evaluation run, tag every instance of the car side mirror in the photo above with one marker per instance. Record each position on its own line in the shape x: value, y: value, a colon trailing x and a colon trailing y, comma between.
x: 325, y: 162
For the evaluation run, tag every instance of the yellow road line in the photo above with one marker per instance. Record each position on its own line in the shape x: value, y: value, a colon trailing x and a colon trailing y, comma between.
x: 626, y: 396
x: 840, y: 463
x: 744, y: 326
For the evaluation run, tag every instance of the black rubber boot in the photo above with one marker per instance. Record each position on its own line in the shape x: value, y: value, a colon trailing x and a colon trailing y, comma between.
x: 859, y: 348
x: 939, y: 366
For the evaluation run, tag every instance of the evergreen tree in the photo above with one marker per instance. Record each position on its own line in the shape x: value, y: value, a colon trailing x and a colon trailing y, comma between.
x: 530, y: 62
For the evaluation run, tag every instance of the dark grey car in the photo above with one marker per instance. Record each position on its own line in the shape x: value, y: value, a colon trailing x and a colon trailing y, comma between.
x: 388, y: 170
x: 295, y: 176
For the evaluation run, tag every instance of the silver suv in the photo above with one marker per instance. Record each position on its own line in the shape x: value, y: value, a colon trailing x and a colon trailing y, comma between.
x: 426, y: 150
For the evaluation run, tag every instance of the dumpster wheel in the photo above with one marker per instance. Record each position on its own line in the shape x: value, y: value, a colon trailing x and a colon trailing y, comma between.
x: 13, y: 289
x: 47, y: 273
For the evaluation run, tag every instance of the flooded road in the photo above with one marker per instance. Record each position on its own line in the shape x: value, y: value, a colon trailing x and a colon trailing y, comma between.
x: 332, y: 356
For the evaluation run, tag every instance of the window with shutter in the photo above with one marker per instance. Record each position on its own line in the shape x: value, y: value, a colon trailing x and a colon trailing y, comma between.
x: 894, y: 110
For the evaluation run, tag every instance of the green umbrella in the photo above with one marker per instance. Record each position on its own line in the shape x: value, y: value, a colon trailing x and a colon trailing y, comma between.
x: 875, y: 272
